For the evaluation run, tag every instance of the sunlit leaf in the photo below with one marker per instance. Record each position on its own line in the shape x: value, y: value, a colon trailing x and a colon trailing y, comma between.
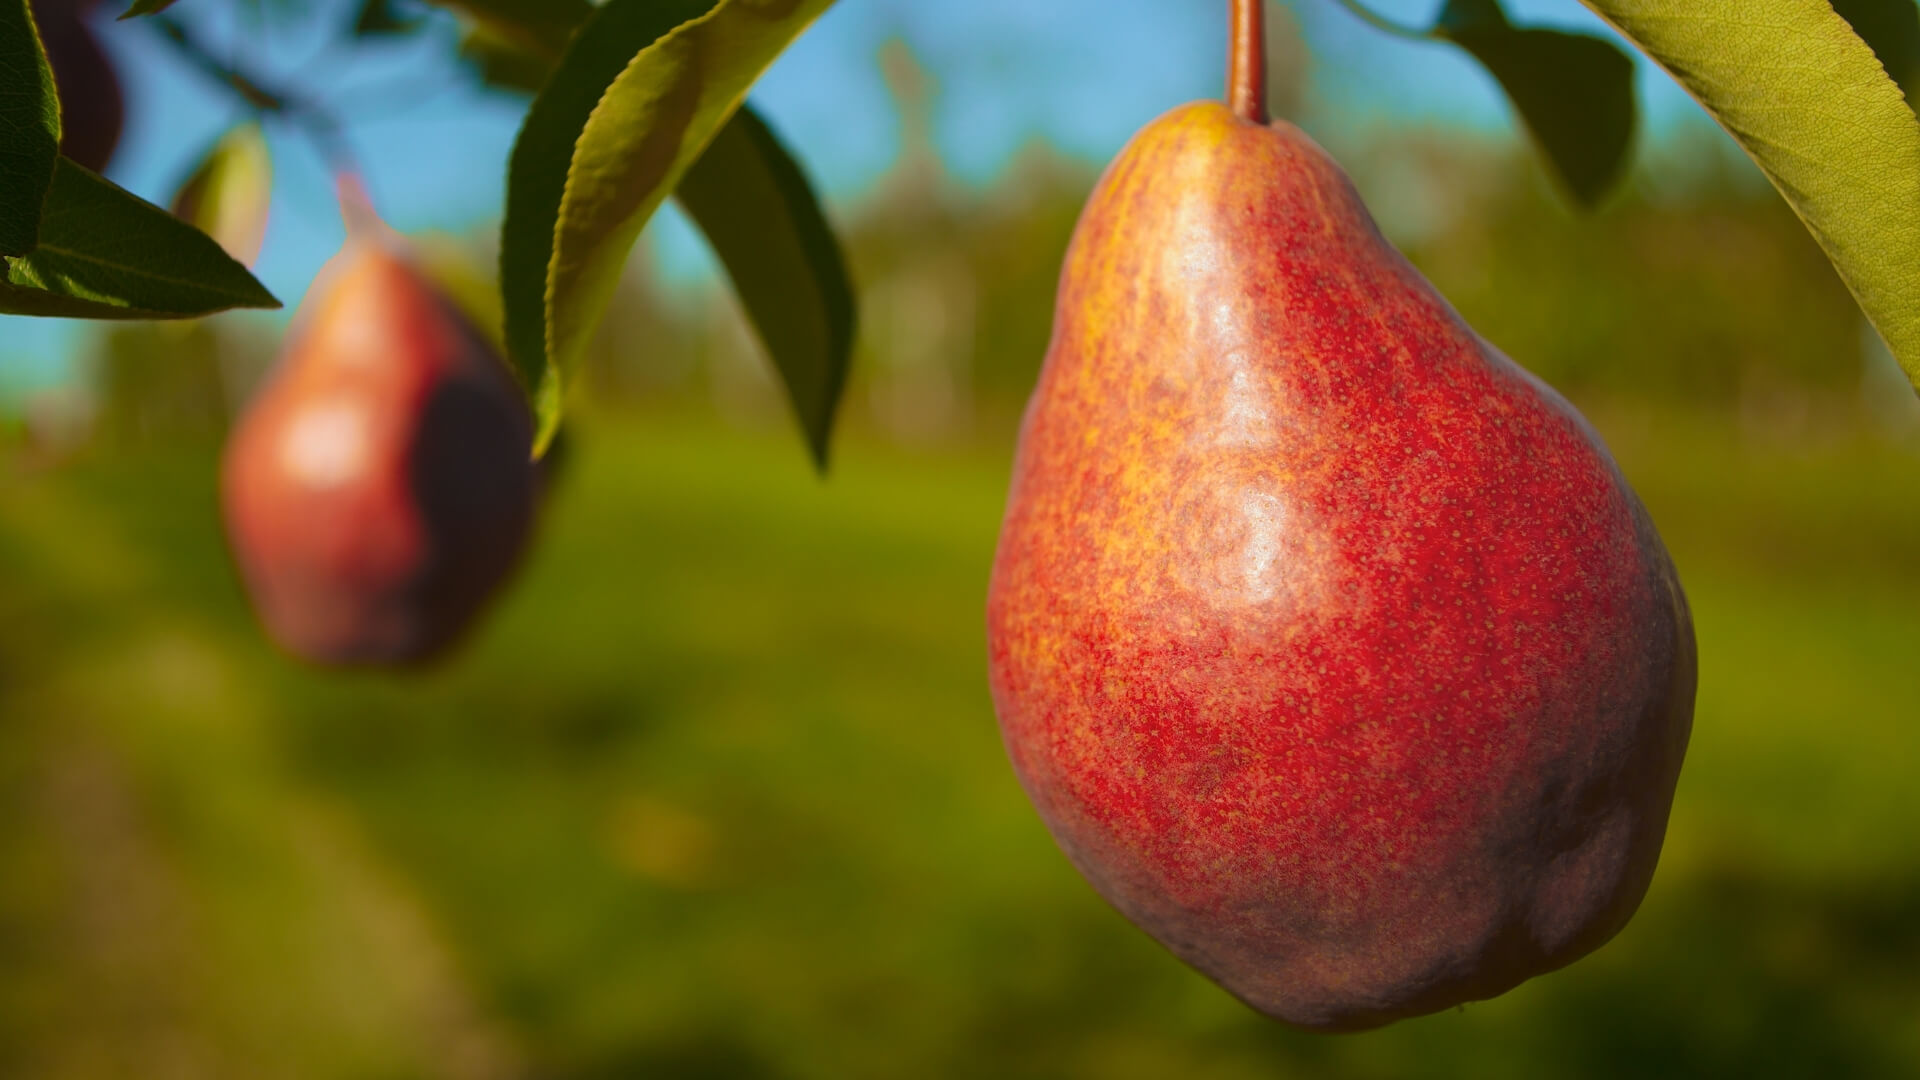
x: 30, y: 121
x: 641, y: 133
x: 750, y: 198
x: 753, y: 202
x: 229, y: 194
x: 537, y: 176
x: 1892, y: 29
x: 1806, y: 97
x: 105, y: 253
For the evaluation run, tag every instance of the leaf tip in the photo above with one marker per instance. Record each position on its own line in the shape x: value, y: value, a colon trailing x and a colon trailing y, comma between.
x: 820, y: 454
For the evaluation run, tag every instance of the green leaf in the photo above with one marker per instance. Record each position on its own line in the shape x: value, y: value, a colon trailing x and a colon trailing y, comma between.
x: 228, y: 195
x: 1892, y: 29
x: 1800, y: 91
x: 752, y: 201
x: 542, y: 26
x: 1573, y: 92
x: 30, y: 121
x: 1470, y: 15
x: 650, y: 123
x: 513, y: 44
x: 106, y: 253
x: 537, y: 177
x: 27, y: 300
x: 503, y: 63
x: 146, y: 7
x: 377, y: 18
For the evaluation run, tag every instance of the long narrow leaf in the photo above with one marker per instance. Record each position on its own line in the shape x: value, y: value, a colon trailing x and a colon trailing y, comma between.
x: 542, y: 26
x: 1807, y: 98
x: 105, y: 253
x: 750, y: 198
x: 537, y: 176
x: 644, y: 86
x: 29, y: 129
x: 651, y: 125
x: 1891, y: 28
x: 146, y: 7
x: 1573, y: 92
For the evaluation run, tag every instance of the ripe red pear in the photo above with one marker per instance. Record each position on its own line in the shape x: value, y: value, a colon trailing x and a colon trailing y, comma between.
x: 1332, y: 646
x: 380, y: 488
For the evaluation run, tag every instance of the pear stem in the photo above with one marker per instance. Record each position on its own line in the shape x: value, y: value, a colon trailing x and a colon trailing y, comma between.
x: 356, y: 206
x: 1247, y: 62
x: 312, y: 118
x: 1382, y: 23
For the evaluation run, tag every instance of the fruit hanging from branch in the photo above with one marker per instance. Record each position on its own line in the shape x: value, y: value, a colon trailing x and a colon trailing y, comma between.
x: 380, y: 489
x: 1331, y: 645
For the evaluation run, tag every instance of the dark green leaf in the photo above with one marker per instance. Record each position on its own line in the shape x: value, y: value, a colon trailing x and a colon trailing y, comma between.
x: 105, y: 253
x: 750, y: 198
x: 543, y: 26
x: 503, y: 63
x: 1892, y: 29
x: 146, y: 7
x: 537, y: 175
x: 652, y: 121
x: 1481, y: 15
x: 21, y: 300
x: 29, y: 129
x: 1573, y: 92
x: 754, y: 204
x: 1792, y: 82
x: 378, y: 18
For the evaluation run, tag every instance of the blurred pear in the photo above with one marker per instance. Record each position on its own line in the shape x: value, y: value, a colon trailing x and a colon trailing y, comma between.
x: 230, y: 192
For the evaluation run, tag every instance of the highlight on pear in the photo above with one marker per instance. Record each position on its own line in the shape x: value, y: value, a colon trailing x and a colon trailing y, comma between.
x: 1330, y: 644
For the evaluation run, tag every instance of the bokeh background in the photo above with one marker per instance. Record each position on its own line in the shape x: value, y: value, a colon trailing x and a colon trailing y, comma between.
x: 717, y: 791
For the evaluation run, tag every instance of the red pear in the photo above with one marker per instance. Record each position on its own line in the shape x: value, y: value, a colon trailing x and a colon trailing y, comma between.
x: 380, y: 489
x: 1332, y: 646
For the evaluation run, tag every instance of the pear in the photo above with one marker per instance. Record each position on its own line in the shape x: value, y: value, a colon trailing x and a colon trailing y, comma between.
x: 1332, y: 647
x: 380, y: 488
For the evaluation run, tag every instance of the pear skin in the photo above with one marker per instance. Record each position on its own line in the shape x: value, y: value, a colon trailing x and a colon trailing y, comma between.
x: 1332, y: 646
x: 380, y: 488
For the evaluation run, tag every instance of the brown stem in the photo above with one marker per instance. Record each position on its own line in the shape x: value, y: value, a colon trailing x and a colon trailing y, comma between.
x: 1247, y: 63
x: 314, y: 119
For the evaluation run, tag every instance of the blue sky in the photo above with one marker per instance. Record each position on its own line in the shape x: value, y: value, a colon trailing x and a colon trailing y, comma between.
x: 1082, y: 74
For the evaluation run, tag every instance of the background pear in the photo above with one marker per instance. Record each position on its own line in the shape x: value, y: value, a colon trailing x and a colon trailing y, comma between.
x: 380, y: 488
x: 1331, y: 646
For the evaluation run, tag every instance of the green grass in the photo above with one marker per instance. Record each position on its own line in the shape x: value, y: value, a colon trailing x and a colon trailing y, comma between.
x: 717, y: 792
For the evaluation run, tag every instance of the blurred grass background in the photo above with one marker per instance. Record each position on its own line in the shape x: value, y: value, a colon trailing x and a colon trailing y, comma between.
x: 716, y: 791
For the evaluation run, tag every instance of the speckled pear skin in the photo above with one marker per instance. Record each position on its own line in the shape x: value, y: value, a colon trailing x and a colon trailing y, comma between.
x: 1331, y: 646
x: 380, y: 489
